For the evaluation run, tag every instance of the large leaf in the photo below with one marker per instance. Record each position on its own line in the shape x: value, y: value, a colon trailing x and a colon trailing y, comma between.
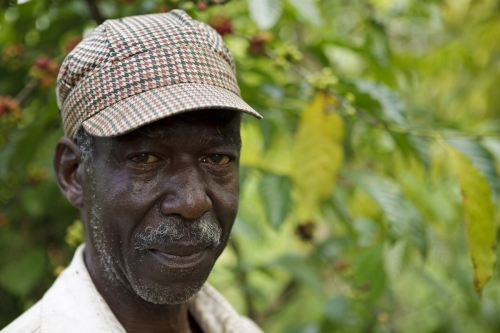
x: 393, y: 109
x: 404, y: 219
x: 275, y: 191
x: 265, y: 13
x: 482, y: 160
x: 317, y: 153
x: 479, y: 216
x: 308, y: 9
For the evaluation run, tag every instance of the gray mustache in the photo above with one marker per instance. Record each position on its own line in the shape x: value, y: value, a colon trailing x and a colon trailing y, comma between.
x: 174, y: 230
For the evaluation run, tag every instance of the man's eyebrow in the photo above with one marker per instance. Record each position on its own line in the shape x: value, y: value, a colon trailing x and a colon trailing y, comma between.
x: 226, y: 137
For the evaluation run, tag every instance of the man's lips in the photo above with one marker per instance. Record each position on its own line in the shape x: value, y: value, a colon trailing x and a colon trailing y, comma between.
x: 179, y: 256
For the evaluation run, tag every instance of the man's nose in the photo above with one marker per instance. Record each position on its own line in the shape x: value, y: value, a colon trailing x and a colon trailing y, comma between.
x: 186, y: 196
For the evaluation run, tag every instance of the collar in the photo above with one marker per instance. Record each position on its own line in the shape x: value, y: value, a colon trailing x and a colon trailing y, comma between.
x: 73, y: 304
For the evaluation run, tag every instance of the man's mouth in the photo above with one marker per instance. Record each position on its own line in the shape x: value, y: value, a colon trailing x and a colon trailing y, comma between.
x: 180, y: 256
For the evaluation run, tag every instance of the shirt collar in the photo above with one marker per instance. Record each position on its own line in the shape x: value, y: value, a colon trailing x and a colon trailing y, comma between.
x: 73, y: 304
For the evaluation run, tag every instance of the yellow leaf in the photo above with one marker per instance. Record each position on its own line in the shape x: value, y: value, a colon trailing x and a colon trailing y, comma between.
x: 317, y: 154
x: 479, y: 216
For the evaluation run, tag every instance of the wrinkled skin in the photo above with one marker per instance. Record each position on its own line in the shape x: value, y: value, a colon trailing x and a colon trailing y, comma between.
x: 137, y: 183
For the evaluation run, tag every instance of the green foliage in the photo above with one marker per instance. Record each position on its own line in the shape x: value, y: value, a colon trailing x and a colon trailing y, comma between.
x: 275, y: 191
x: 367, y: 192
x: 20, y: 276
x: 405, y: 221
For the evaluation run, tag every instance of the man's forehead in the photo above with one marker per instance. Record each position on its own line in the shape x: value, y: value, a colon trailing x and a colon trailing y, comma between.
x: 213, y: 126
x: 219, y: 118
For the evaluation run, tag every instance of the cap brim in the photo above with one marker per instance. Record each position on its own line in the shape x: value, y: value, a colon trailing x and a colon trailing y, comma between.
x: 152, y: 105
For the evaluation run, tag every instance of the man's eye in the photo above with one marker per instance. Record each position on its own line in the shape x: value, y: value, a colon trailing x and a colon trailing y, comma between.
x: 218, y: 159
x: 145, y: 158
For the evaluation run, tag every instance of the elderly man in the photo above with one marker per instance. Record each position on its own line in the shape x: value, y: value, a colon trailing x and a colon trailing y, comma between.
x: 151, y: 112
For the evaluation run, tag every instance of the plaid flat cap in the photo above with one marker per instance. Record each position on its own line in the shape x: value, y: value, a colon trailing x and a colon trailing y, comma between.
x: 134, y: 71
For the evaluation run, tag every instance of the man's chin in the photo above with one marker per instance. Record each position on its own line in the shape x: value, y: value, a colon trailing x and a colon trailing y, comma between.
x: 160, y: 280
x: 177, y: 293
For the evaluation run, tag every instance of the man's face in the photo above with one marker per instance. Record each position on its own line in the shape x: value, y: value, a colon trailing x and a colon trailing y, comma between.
x: 159, y: 203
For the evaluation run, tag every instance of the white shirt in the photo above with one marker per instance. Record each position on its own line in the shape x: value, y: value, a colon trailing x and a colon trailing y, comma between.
x: 74, y: 305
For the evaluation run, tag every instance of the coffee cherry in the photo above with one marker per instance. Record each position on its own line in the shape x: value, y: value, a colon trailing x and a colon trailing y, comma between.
x: 222, y: 24
x: 45, y: 69
x: 71, y: 43
x: 202, y: 6
x: 9, y: 106
x: 258, y: 43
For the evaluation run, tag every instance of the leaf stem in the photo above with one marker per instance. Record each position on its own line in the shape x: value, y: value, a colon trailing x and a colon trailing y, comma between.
x: 94, y: 11
x: 286, y: 294
x: 27, y: 90
x: 242, y: 277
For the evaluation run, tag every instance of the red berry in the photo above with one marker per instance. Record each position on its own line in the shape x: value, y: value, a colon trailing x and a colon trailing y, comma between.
x: 202, y: 6
x: 341, y: 265
x: 45, y: 70
x: 222, y: 24
x: 71, y: 43
x: 9, y: 105
x: 3, y: 219
x: 258, y: 43
x: 42, y: 62
x: 163, y: 8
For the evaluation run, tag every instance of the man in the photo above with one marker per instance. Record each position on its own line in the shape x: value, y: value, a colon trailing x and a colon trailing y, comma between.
x: 151, y: 113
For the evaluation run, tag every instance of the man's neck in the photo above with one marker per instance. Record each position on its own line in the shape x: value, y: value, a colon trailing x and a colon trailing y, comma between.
x: 136, y: 314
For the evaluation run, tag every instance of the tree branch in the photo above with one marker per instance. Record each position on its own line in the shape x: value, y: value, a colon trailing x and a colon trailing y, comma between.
x: 94, y: 11
x: 27, y: 90
x: 218, y: 2
x: 285, y: 295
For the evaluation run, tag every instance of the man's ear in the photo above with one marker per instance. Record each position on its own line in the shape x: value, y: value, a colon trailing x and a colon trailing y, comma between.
x: 68, y: 167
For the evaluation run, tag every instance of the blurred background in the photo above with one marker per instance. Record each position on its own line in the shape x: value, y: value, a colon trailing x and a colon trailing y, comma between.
x: 367, y: 192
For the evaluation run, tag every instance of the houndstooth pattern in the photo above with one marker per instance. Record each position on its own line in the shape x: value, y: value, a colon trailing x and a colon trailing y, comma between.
x: 159, y: 103
x: 133, y: 71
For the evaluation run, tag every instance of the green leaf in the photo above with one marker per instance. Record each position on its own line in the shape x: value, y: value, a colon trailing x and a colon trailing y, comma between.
x: 302, y: 270
x: 23, y: 272
x: 275, y: 191
x: 412, y: 145
x: 337, y: 308
x: 265, y: 13
x: 308, y: 9
x: 404, y: 219
x: 369, y: 272
x: 482, y: 160
x: 397, y: 258
x: 317, y: 154
x: 493, y: 146
x: 393, y: 109
x: 479, y: 216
